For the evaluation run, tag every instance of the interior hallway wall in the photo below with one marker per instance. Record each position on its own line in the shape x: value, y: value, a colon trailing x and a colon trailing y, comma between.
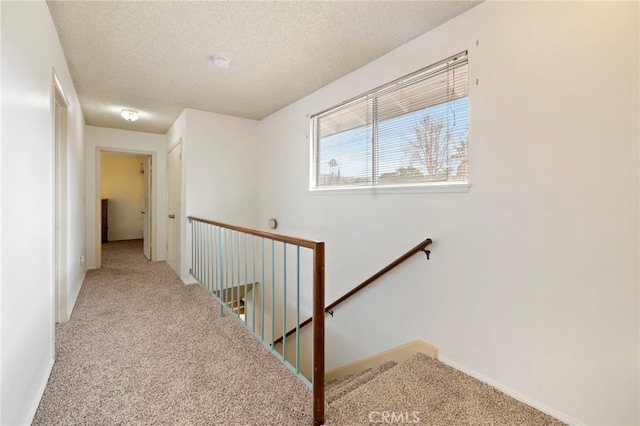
x: 533, y: 282
x: 219, y: 171
x: 30, y: 52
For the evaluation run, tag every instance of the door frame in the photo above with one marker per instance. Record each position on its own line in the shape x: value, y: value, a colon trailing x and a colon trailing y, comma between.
x: 61, y: 267
x: 148, y: 206
x: 181, y: 219
x: 98, y: 198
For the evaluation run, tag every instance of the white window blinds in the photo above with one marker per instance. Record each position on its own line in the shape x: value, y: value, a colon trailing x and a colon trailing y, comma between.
x: 411, y: 131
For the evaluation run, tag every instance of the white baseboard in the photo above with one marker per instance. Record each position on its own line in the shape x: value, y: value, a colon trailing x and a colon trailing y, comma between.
x: 41, y: 390
x: 535, y: 404
x: 71, y: 304
x: 189, y: 280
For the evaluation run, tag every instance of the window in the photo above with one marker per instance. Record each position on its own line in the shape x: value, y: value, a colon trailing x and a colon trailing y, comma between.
x: 413, y: 131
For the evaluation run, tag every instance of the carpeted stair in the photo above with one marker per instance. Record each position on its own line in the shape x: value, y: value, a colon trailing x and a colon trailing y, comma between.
x: 344, y: 385
x: 423, y: 390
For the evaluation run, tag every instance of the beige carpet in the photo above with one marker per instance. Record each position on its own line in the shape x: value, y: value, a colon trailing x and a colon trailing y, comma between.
x: 425, y: 391
x: 143, y: 349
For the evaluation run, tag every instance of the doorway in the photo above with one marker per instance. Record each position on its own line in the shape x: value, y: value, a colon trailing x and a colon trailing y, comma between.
x: 125, y: 192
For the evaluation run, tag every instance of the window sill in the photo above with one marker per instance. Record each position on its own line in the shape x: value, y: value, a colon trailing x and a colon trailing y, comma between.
x: 432, y: 188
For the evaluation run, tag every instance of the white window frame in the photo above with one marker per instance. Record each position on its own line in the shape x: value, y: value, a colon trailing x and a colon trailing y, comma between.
x: 374, y: 187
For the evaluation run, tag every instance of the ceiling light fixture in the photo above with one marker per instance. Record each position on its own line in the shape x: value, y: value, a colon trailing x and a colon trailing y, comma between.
x: 220, y: 61
x: 129, y: 114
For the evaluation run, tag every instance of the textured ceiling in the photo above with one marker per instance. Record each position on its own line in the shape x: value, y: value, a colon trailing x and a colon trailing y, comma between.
x: 156, y: 56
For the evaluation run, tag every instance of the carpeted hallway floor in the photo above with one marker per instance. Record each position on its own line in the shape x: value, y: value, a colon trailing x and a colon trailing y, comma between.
x: 143, y: 349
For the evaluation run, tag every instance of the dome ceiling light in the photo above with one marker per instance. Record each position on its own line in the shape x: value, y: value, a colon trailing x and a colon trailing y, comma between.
x: 129, y: 114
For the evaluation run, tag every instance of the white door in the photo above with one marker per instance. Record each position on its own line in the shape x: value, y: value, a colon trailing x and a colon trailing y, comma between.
x: 174, y: 185
x: 146, y: 208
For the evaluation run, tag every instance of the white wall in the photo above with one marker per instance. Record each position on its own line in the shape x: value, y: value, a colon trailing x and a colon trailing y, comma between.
x: 219, y: 171
x: 101, y: 139
x: 123, y: 185
x: 178, y: 130
x: 30, y: 50
x: 533, y: 282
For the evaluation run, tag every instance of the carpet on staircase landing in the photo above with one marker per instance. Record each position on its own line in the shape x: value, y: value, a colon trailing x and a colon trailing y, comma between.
x: 423, y: 390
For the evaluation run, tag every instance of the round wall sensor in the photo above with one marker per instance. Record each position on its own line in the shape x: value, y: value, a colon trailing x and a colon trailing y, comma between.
x: 220, y: 61
x: 273, y: 224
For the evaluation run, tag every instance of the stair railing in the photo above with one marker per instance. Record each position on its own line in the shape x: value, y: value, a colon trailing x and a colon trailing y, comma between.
x: 421, y: 247
x: 235, y: 264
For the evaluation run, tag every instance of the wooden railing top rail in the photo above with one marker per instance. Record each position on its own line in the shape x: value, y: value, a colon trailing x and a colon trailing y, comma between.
x: 277, y: 237
x: 420, y: 247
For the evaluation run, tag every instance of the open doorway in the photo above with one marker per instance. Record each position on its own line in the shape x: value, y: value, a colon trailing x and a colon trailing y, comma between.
x: 125, y: 194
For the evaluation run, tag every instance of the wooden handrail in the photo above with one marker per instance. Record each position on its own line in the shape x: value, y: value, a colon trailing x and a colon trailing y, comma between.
x: 420, y: 247
x: 311, y: 244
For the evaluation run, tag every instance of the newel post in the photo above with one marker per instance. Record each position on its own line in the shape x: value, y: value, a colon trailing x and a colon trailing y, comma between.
x: 318, y: 334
